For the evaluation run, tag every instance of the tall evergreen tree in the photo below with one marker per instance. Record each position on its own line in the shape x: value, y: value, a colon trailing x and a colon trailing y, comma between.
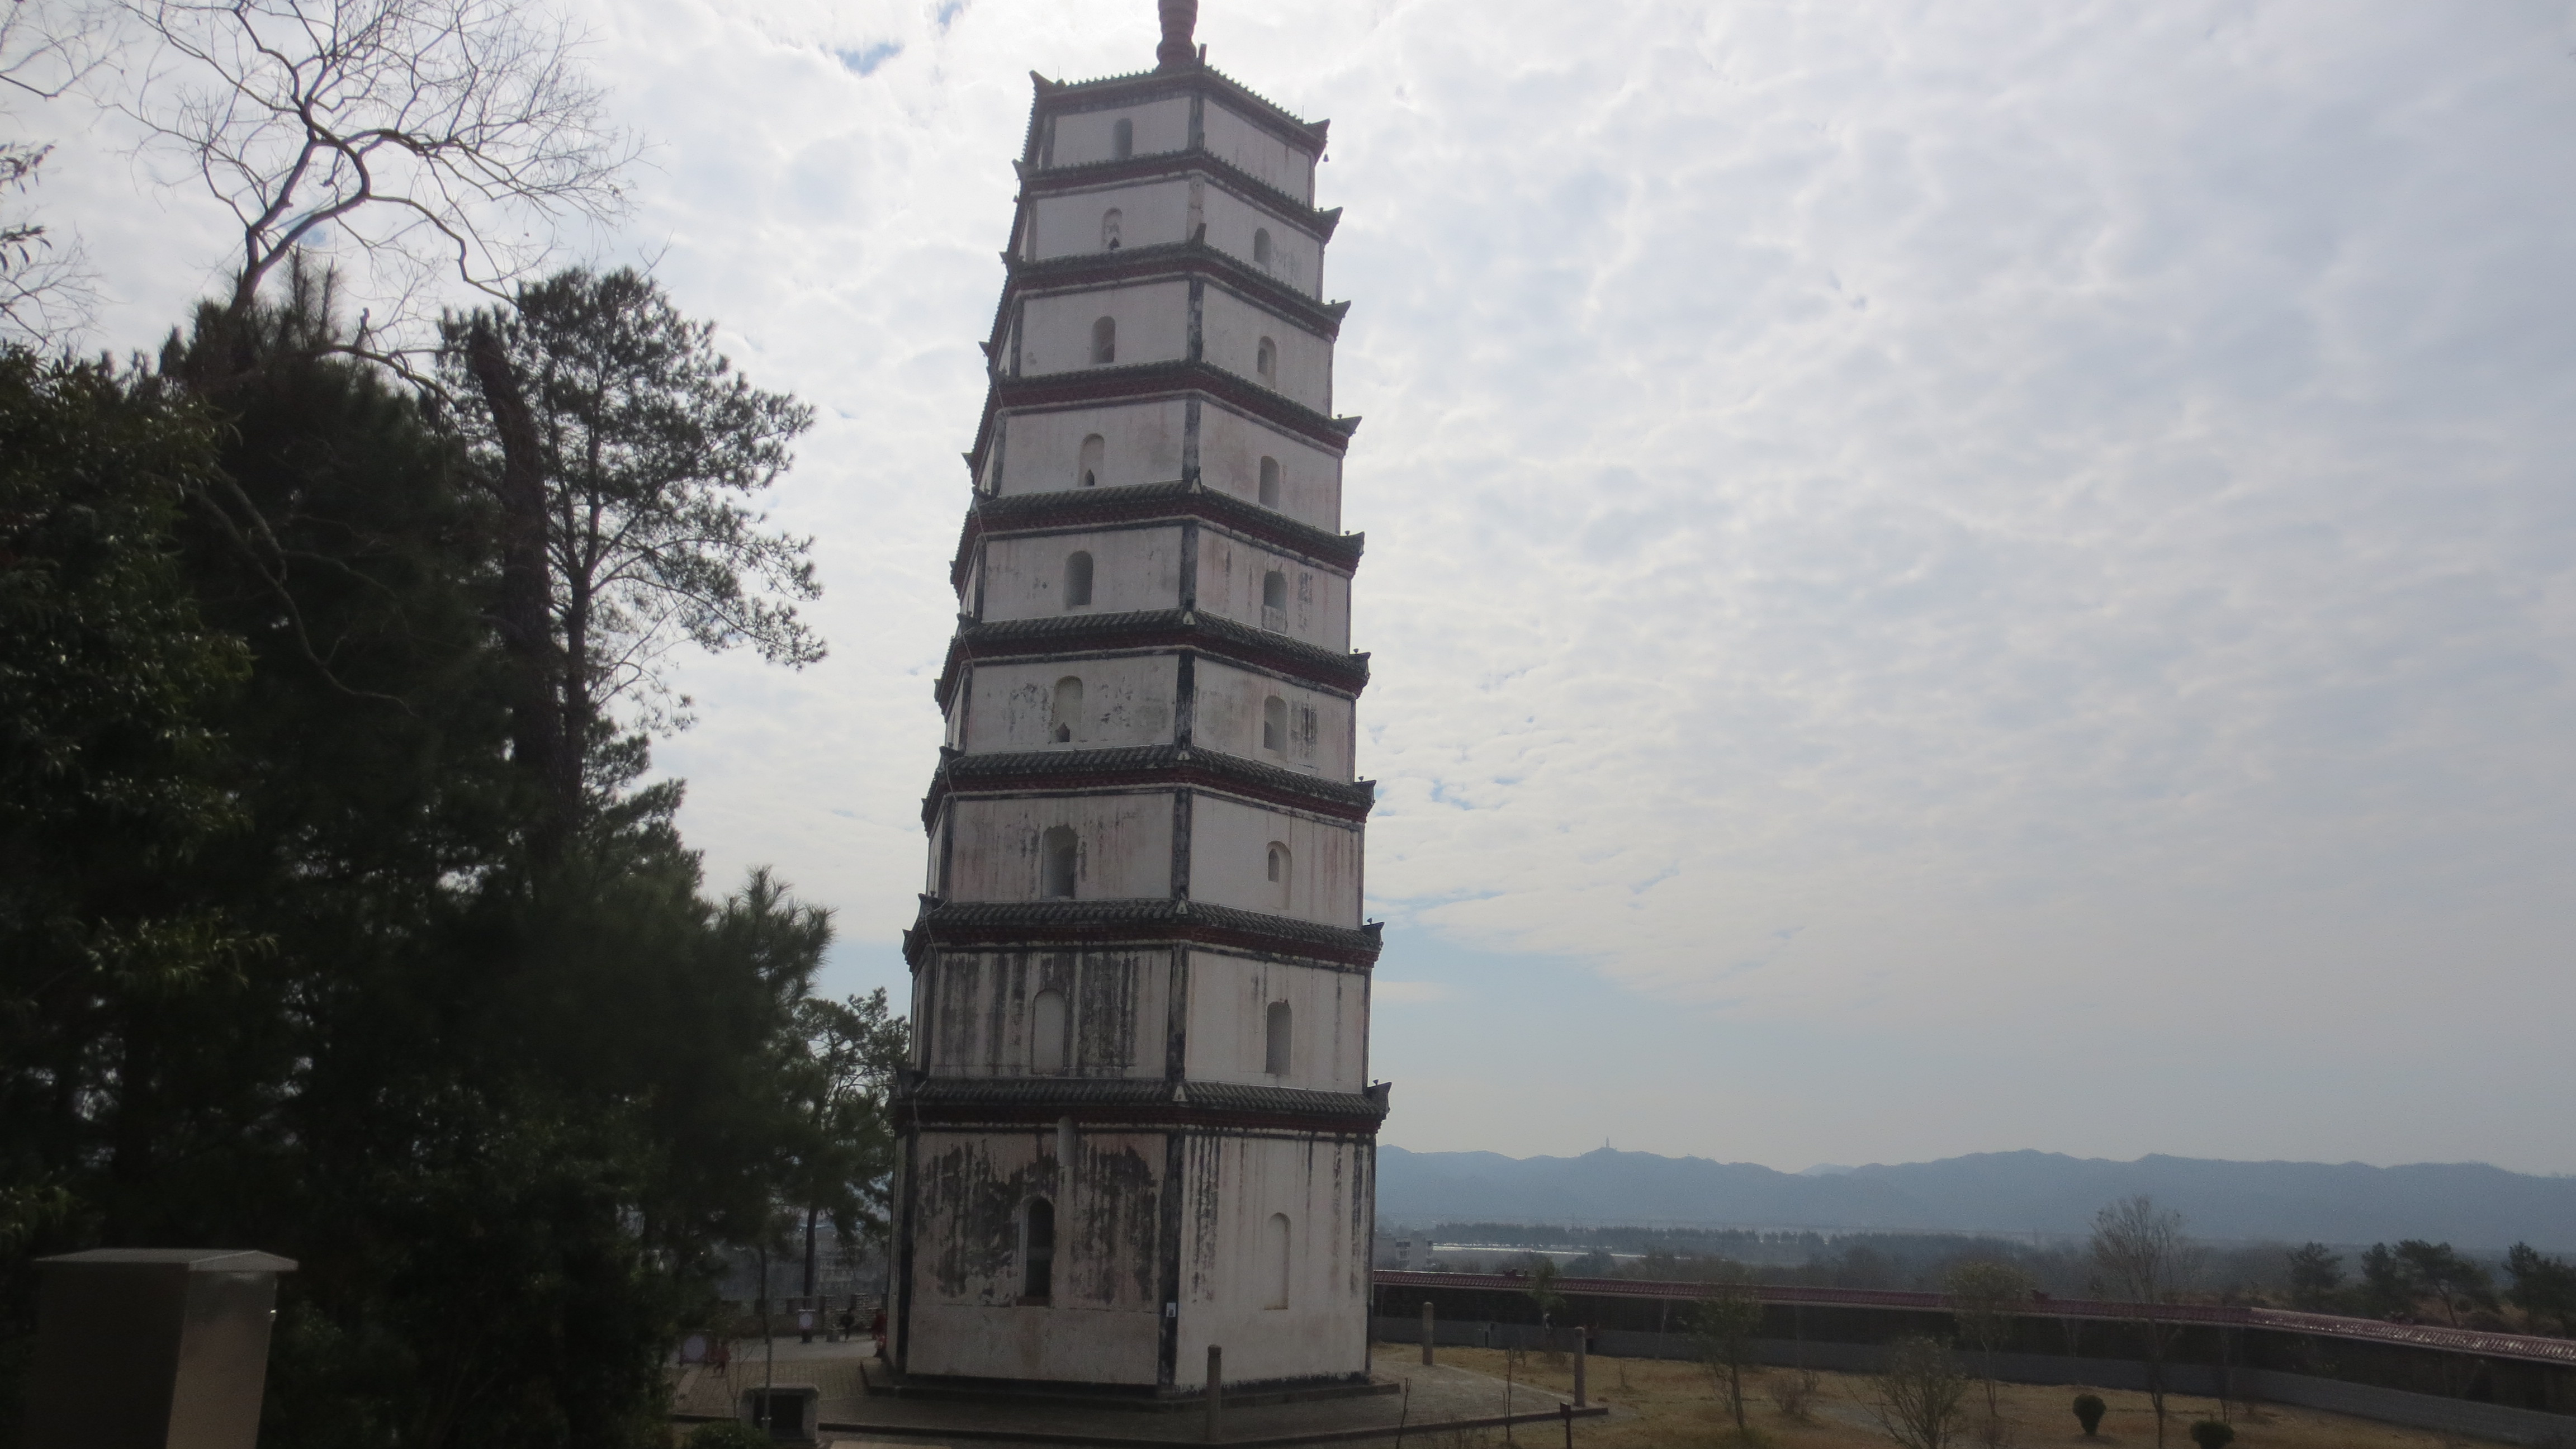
x: 334, y: 979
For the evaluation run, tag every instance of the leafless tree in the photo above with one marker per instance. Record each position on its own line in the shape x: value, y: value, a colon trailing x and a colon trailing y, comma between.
x: 1984, y: 1297
x: 1919, y: 1399
x: 418, y: 137
x: 2145, y: 1259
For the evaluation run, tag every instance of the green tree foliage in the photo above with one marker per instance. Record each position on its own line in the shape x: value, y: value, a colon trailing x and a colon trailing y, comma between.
x: 843, y: 1159
x: 647, y: 444
x: 1722, y: 1328
x: 2400, y: 1281
x: 109, y: 765
x: 2315, y: 1277
x: 280, y: 966
x: 2544, y: 1288
x: 2088, y: 1413
x: 2213, y: 1433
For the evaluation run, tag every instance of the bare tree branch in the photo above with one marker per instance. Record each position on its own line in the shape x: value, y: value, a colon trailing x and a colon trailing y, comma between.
x: 415, y: 138
x: 47, y: 292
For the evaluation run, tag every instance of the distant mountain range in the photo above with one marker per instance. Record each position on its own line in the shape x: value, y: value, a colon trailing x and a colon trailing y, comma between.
x: 2468, y: 1205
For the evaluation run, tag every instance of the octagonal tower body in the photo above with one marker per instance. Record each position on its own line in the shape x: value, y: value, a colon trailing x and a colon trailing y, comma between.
x: 1140, y: 1120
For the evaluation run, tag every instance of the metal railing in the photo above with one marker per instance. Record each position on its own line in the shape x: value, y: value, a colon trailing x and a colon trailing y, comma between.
x: 2414, y: 1335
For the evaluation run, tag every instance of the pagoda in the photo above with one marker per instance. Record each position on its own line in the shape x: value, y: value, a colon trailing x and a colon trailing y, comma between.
x: 1139, y: 1121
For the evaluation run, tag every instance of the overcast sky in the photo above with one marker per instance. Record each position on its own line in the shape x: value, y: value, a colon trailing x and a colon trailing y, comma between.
x: 1941, y: 578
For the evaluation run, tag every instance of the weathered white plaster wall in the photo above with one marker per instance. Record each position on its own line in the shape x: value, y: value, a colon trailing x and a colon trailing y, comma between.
x: 1102, y: 1323
x: 1131, y: 569
x: 1126, y: 846
x: 1140, y: 443
x: 1229, y: 1039
x: 1150, y: 213
x: 972, y: 1009
x: 1230, y: 859
x: 1231, y: 447
x: 1295, y: 257
x: 1084, y: 136
x: 1232, y: 1186
x: 1231, y: 580
x: 1228, y: 717
x: 1157, y: 213
x: 1125, y: 701
x: 1272, y: 161
x: 1231, y: 330
x: 1153, y: 326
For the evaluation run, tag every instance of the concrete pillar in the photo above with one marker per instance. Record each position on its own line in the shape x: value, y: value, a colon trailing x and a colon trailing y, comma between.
x: 1582, y: 1337
x: 151, y: 1348
x: 1215, y: 1392
x: 1426, y: 1331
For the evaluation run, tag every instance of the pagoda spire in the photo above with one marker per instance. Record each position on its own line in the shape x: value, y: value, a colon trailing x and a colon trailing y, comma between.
x: 1180, y: 17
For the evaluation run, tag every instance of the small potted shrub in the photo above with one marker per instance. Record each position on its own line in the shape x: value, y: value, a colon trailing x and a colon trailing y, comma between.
x: 2088, y: 1412
x: 2213, y: 1434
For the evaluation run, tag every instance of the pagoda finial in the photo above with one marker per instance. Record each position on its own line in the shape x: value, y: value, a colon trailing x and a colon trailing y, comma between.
x: 1180, y: 17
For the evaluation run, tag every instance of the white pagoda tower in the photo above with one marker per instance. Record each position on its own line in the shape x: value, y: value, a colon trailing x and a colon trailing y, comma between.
x: 1140, y: 1121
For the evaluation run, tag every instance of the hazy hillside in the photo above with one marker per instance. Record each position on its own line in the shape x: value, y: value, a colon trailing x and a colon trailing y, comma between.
x: 2466, y: 1204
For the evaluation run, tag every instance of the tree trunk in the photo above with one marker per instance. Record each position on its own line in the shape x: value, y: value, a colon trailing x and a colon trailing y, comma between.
x: 527, y: 634
x: 809, y: 1255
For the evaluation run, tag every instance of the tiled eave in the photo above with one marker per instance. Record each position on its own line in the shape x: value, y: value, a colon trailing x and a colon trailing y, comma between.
x: 1175, y: 260
x: 1047, y: 181
x: 985, y: 925
x: 1148, y: 381
x: 1178, y: 80
x: 1037, y: 771
x: 930, y: 1101
x: 1078, y: 508
x: 1074, y: 634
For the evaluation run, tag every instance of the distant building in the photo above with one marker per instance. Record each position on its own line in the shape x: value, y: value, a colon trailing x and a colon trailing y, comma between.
x: 1141, y: 1121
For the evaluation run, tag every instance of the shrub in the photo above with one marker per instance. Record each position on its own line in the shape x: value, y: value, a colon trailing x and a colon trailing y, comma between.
x: 728, y: 1434
x: 2213, y: 1434
x: 2088, y: 1412
x: 1793, y: 1392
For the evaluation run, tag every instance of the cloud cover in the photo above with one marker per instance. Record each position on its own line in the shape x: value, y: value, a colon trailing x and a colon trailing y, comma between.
x: 1942, y: 578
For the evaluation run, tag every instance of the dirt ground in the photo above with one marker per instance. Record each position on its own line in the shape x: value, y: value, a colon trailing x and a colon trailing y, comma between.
x: 1659, y: 1403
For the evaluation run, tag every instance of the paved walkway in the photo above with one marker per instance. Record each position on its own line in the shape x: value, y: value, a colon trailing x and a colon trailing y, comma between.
x: 1435, y: 1395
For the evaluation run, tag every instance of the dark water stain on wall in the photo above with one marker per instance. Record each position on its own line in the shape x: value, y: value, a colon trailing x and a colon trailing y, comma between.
x: 1121, y: 1214
x: 974, y: 1213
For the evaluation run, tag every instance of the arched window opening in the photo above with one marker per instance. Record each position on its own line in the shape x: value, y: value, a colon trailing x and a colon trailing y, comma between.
x: 1269, y: 482
x: 1274, y: 737
x: 1122, y: 138
x: 1077, y: 580
x: 1057, y: 851
x: 1046, y: 1032
x: 1265, y: 360
x: 1261, y: 246
x: 1037, y: 1275
x: 1274, y: 602
x: 1275, y: 1026
x: 1274, y: 1246
x: 1104, y: 341
x: 1095, y: 460
x: 1282, y: 866
x: 1109, y: 228
x: 1064, y: 716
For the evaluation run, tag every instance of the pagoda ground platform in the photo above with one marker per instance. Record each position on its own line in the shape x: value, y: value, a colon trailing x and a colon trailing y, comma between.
x: 1423, y: 1401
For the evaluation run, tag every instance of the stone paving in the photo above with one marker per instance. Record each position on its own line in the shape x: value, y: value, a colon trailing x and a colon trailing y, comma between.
x: 1439, y: 1395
